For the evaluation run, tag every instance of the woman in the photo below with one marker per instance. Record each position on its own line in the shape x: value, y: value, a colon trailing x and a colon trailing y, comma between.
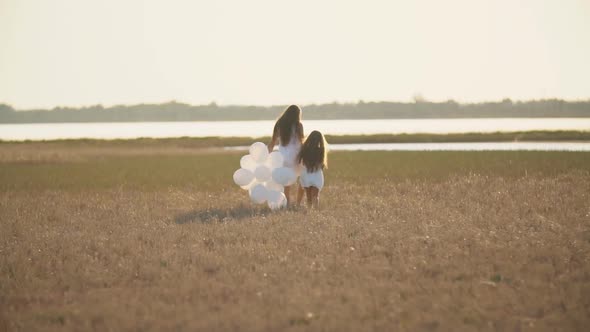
x: 288, y: 132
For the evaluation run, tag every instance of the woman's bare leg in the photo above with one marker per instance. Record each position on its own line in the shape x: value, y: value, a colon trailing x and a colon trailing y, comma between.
x: 300, y: 191
x: 287, y: 194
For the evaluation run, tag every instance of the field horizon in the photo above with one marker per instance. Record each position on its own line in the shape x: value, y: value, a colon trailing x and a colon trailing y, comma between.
x: 417, y: 109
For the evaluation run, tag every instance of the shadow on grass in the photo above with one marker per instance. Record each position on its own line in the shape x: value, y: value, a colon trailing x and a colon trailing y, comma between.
x: 211, y: 215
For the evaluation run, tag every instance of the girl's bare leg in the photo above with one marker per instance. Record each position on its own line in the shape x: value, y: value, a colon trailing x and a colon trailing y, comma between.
x: 315, y: 199
x: 308, y: 196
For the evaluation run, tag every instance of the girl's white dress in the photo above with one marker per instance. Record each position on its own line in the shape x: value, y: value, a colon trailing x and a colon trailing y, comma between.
x: 290, y: 152
x: 312, y: 179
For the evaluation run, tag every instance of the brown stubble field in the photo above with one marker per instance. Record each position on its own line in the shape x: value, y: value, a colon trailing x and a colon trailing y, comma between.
x: 117, y: 238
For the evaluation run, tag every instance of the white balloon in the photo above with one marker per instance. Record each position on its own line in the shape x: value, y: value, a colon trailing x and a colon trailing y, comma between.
x: 248, y: 163
x: 250, y: 185
x: 276, y: 200
x: 284, y: 176
x: 283, y: 201
x: 262, y: 173
x: 259, y: 152
x: 264, y: 176
x: 274, y: 196
x: 275, y: 160
x: 258, y: 194
x: 243, y: 177
x: 271, y: 185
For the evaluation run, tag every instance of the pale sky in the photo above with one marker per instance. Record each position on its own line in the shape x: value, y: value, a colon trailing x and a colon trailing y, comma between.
x: 263, y: 52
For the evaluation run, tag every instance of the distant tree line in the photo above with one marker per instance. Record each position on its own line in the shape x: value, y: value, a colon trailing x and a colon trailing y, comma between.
x: 174, y: 111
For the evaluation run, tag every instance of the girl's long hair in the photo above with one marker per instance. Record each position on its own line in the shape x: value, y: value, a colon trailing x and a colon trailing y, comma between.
x: 314, y: 152
x: 291, y: 118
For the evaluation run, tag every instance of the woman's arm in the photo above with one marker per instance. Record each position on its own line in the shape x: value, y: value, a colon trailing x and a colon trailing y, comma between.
x: 301, y: 136
x: 274, y: 138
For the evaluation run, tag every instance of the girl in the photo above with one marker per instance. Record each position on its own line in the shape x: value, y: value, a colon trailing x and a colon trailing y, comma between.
x: 314, y: 158
x: 288, y: 132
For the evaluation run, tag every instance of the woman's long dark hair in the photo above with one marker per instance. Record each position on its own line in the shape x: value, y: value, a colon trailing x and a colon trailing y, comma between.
x: 314, y: 152
x: 291, y: 118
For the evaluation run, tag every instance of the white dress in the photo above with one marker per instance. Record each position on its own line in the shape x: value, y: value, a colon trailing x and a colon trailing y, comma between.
x: 312, y: 179
x: 290, y: 152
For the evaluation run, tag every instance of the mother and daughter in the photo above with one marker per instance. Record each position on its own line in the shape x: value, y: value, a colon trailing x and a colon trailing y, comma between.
x: 307, y: 157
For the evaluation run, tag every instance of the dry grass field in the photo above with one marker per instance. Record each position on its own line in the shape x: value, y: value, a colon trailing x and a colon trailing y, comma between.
x: 116, y: 238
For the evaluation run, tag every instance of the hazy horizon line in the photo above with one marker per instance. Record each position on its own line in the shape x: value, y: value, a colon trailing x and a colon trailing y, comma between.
x: 304, y: 104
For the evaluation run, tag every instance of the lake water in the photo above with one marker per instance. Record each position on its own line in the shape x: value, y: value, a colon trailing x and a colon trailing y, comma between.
x: 49, y: 131
x: 475, y: 146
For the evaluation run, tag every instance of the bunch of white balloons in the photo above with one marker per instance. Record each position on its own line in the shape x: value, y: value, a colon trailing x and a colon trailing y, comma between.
x: 264, y: 176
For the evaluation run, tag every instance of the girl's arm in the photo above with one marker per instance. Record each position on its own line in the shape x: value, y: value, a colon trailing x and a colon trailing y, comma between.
x: 274, y: 138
